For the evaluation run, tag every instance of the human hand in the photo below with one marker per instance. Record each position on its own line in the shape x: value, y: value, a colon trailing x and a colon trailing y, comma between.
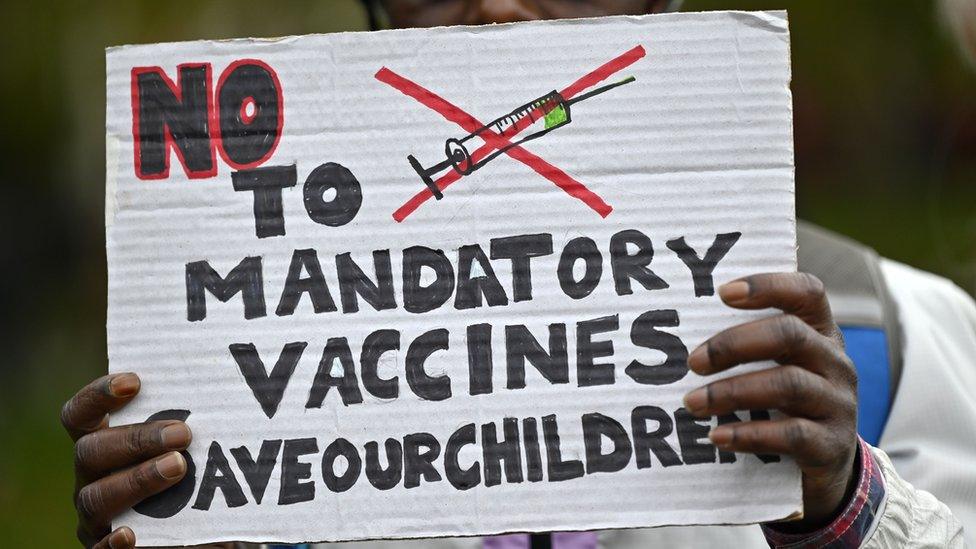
x: 815, y: 386
x: 117, y: 467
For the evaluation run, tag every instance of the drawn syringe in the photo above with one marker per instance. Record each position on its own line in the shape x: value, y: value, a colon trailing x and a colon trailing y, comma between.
x: 552, y: 109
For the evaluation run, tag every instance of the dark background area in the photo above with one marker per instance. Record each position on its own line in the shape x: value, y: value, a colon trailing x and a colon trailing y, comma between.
x: 885, y: 151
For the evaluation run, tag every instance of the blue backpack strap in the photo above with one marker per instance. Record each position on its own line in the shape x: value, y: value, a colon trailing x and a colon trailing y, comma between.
x: 866, y: 314
x: 867, y: 347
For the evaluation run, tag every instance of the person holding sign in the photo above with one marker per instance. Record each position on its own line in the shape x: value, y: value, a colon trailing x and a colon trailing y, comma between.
x: 852, y: 495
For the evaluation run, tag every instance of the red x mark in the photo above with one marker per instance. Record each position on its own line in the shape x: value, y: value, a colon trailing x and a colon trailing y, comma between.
x: 495, y: 141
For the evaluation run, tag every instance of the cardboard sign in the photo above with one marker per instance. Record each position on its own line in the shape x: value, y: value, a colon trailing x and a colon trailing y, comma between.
x: 444, y: 282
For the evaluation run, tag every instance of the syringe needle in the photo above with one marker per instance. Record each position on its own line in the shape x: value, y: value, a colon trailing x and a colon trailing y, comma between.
x: 551, y: 104
x: 598, y: 91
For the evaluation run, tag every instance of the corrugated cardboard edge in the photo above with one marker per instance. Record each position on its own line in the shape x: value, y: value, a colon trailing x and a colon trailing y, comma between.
x: 774, y: 20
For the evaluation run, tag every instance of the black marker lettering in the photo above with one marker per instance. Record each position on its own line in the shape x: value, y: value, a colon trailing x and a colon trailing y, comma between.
x: 690, y: 432
x: 267, y: 389
x: 520, y: 345
x: 521, y: 249
x: 218, y: 474
x: 293, y: 472
x: 595, y: 428
x: 248, y: 139
x: 643, y: 334
x: 168, y: 115
x: 374, y: 346
x: 559, y: 469
x: 580, y: 248
x: 246, y: 278
x: 354, y: 465
x: 479, y: 359
x: 626, y: 267
x: 646, y: 441
x: 314, y: 284
x: 419, y: 464
x: 509, y: 450
x: 588, y: 372
x: 348, y: 199
x: 337, y: 348
x: 701, y: 269
x: 462, y: 479
x: 416, y: 297
x: 267, y: 184
x: 470, y: 289
x: 384, y: 479
x: 422, y: 384
x: 533, y: 454
x: 257, y: 473
x: 354, y: 282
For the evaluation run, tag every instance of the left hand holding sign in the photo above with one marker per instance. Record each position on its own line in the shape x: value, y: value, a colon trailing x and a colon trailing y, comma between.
x: 117, y: 467
x: 815, y: 386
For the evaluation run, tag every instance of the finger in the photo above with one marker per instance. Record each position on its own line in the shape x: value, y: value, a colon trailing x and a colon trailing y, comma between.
x: 87, y: 410
x: 109, y: 449
x: 101, y: 501
x: 807, y: 441
x: 782, y: 338
x: 789, y: 389
x: 121, y: 538
x: 799, y: 294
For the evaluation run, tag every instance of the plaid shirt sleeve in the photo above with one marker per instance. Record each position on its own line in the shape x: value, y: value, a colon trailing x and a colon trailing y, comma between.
x: 852, y: 527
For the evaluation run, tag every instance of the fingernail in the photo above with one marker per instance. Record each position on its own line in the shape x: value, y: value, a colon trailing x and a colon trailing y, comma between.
x: 697, y: 400
x: 121, y: 538
x: 124, y: 385
x: 720, y: 437
x: 171, y: 466
x: 175, y: 435
x: 734, y: 292
x: 698, y: 360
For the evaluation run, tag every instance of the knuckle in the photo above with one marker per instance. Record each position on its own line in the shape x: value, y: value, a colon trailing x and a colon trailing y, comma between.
x: 724, y: 393
x: 719, y: 348
x: 813, y: 288
x: 90, y: 502
x: 126, y: 544
x: 139, y: 439
x: 793, y: 386
x: 141, y: 478
x: 743, y: 436
x: 136, y: 480
x: 84, y: 536
x: 848, y: 370
x: 67, y: 412
x: 758, y: 283
x: 792, y: 330
x: 797, y: 434
x: 844, y: 402
x: 840, y: 367
x: 849, y: 406
x: 85, y: 451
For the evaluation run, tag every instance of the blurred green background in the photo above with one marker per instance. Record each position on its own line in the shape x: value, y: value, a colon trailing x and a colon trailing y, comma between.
x: 885, y: 151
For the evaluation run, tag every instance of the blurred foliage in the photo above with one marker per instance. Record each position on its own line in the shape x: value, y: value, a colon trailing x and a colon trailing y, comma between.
x: 885, y: 152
